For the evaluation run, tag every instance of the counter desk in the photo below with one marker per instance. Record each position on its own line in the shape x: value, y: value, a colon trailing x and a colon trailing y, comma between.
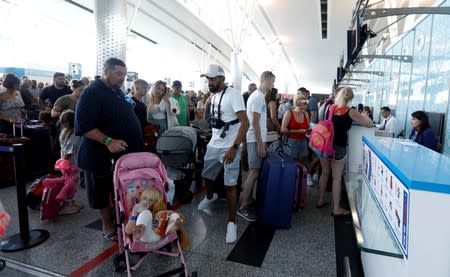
x: 400, y: 205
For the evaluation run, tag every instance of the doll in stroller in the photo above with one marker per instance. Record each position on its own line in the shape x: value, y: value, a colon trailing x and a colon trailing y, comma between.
x: 140, y: 185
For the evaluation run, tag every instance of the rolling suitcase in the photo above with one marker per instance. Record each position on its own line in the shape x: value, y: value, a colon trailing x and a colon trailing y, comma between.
x: 276, y: 190
x: 300, y: 193
x: 50, y: 206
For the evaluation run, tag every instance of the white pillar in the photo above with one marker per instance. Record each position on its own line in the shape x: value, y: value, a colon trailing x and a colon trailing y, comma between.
x: 236, y: 69
x: 111, y: 27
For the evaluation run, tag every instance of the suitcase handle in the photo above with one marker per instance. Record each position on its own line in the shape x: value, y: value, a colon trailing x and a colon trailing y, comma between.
x: 278, y: 156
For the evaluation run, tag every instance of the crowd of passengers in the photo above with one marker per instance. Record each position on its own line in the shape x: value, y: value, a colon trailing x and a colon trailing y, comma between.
x: 92, y: 122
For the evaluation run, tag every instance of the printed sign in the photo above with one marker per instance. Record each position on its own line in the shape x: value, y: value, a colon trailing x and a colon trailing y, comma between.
x: 391, y: 194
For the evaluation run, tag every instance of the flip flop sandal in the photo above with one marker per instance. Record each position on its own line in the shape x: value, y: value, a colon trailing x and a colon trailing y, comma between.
x: 341, y: 214
x: 111, y: 236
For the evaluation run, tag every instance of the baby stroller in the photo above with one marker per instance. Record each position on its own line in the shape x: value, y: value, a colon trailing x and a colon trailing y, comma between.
x: 177, y: 148
x: 133, y: 173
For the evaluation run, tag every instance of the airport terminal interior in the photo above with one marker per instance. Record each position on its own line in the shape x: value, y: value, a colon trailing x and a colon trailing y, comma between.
x: 376, y: 205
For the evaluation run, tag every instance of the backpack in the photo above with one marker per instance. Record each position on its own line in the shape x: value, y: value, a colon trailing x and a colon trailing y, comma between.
x: 321, y: 138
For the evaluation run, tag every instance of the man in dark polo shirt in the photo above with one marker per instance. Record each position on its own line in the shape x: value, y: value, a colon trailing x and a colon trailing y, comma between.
x: 109, y: 128
x: 53, y: 92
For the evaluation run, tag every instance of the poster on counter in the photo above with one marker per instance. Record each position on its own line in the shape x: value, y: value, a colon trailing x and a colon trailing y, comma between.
x: 391, y: 194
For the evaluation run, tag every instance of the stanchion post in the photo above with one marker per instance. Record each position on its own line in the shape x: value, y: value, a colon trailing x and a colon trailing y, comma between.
x: 21, y: 191
x: 26, y: 238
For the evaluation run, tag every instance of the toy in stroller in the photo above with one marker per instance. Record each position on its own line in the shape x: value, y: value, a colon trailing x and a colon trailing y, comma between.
x: 134, y: 173
x: 177, y: 148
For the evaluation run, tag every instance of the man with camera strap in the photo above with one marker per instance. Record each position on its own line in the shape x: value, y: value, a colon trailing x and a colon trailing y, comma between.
x: 229, y: 123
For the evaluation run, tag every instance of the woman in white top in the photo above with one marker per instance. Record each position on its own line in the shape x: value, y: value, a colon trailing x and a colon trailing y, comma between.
x: 160, y: 110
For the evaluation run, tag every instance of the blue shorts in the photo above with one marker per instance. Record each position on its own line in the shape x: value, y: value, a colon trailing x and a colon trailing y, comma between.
x: 213, y: 164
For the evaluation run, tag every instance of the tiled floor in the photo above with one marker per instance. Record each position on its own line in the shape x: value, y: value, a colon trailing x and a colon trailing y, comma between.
x: 307, y: 249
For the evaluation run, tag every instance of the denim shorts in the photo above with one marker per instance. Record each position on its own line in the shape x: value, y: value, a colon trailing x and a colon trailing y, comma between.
x: 340, y: 152
x: 254, y: 160
x: 213, y: 164
x: 296, y: 148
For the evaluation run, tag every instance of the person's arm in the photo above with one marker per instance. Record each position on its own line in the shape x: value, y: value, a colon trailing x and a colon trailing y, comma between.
x: 285, y: 122
x: 429, y: 139
x: 56, y: 111
x: 114, y: 145
x: 174, y: 106
x: 356, y: 116
x: 273, y: 115
x: 231, y: 153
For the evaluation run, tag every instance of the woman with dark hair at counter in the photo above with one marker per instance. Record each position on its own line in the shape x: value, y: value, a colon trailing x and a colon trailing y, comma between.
x: 422, y: 132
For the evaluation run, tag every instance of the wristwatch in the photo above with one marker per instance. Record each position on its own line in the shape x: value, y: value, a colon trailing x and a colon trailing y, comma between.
x: 236, y: 146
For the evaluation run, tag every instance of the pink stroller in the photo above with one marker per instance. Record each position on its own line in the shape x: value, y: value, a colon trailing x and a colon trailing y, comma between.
x: 133, y: 173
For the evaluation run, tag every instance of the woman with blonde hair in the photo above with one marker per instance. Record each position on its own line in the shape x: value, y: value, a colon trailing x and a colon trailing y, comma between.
x: 342, y: 118
x: 160, y: 110
x: 295, y: 125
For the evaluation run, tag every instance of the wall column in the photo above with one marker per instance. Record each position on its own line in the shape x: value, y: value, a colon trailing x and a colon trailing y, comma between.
x: 111, y: 28
x: 236, y: 69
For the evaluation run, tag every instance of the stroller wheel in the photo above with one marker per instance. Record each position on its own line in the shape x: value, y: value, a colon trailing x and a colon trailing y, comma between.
x: 2, y: 264
x: 119, y: 262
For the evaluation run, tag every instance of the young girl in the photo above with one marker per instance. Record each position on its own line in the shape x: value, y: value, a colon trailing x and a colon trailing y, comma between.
x: 69, y: 151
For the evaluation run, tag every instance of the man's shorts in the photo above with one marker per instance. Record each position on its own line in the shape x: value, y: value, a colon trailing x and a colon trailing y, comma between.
x: 99, y: 188
x: 213, y: 164
x: 254, y: 160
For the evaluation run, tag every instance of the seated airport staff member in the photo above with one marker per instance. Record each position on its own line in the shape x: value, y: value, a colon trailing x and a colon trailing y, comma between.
x: 390, y: 123
x: 229, y: 124
x: 422, y: 133
x: 256, y: 140
x: 109, y: 128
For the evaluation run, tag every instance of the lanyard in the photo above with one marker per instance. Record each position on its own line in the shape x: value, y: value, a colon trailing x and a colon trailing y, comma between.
x: 218, y: 106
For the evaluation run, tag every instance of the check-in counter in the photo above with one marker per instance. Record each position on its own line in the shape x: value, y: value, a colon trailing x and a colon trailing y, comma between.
x: 355, y: 135
x: 400, y: 205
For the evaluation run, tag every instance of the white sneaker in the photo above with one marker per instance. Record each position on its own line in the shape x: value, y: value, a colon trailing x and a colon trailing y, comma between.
x: 316, y: 177
x: 231, y: 232
x: 205, y: 203
x: 309, y: 181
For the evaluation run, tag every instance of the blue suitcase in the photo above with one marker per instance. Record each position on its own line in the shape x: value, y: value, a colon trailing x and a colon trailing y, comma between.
x: 276, y: 190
